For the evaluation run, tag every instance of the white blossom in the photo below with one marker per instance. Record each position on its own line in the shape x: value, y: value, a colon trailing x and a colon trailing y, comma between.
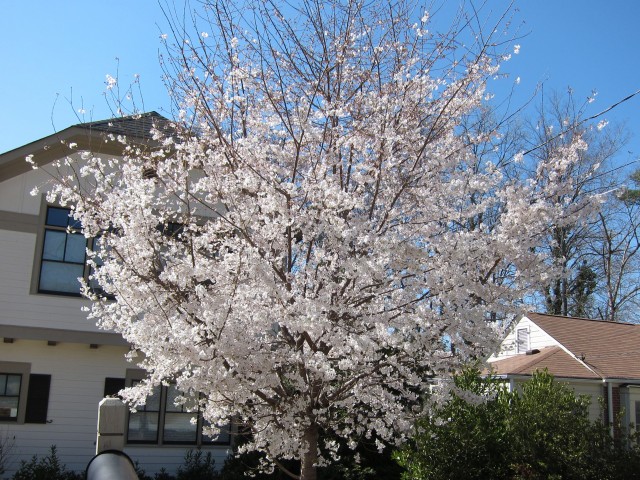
x: 333, y: 230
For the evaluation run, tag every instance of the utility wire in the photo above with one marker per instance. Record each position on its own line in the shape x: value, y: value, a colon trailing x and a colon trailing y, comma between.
x: 573, y: 127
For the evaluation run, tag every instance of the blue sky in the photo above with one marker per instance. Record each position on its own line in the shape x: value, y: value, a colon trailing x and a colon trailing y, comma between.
x: 52, y: 52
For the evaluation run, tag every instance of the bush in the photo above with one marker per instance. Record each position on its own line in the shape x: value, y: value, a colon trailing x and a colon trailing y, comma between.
x: 47, y: 468
x: 196, y: 466
x: 542, y: 432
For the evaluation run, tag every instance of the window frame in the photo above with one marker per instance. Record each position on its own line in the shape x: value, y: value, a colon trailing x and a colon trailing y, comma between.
x: 526, y: 339
x: 134, y: 376
x: 4, y: 394
x: 39, y: 255
x: 24, y: 370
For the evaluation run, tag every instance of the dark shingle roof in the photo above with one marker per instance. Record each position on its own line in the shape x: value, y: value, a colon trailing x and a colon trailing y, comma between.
x: 137, y: 126
x: 90, y: 136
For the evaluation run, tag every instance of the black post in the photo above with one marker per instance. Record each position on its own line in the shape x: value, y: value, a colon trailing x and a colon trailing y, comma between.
x: 111, y: 465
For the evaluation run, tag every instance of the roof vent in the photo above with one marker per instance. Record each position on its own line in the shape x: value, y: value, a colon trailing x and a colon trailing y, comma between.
x: 532, y: 351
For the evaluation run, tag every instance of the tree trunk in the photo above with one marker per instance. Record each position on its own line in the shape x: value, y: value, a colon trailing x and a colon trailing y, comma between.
x: 310, y: 455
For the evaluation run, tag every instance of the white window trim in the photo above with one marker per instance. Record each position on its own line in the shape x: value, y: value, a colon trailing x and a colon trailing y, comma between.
x: 527, y: 347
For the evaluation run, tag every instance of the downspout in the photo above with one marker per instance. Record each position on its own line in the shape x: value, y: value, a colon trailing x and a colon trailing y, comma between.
x: 610, y: 406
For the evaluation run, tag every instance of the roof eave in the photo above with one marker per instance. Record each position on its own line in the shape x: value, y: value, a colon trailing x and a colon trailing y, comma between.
x: 56, y: 146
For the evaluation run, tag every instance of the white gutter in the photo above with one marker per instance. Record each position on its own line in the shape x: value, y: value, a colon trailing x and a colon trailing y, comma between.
x: 610, y: 405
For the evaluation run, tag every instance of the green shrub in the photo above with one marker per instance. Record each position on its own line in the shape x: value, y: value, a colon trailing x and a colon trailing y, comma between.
x: 541, y: 432
x: 197, y: 466
x: 47, y: 468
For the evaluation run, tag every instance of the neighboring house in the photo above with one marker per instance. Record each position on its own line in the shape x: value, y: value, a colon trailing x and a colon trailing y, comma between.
x: 597, y: 358
x: 55, y: 365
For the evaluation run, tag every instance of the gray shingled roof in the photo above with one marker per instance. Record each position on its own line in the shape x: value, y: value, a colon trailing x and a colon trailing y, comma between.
x: 90, y: 136
x: 138, y: 126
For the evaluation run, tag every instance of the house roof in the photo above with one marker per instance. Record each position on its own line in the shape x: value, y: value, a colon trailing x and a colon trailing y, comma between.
x: 610, y: 349
x: 585, y: 348
x: 90, y: 136
x: 555, y: 359
x: 134, y: 126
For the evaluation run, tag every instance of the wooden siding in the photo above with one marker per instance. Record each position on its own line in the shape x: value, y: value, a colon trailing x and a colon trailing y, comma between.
x: 590, y: 389
x: 15, y: 193
x: 19, y: 306
x: 77, y: 383
x: 537, y: 339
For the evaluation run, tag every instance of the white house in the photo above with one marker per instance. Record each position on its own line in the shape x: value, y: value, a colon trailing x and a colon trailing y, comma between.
x: 55, y: 365
x: 597, y: 358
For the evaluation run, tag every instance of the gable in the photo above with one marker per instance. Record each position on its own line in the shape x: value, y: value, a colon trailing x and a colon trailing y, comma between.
x: 537, y: 339
x: 96, y: 137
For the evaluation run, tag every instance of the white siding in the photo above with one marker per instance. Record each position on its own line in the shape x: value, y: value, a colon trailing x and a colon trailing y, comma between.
x: 537, y: 339
x: 15, y: 192
x: 19, y: 307
x: 77, y: 385
x: 594, y: 390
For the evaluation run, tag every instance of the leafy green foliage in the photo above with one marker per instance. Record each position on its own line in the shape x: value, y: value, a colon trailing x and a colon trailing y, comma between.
x: 632, y: 195
x: 47, y: 468
x: 540, y: 432
x: 196, y: 466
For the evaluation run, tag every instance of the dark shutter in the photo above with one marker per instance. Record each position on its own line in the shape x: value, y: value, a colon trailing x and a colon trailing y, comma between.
x: 37, y: 398
x: 112, y: 386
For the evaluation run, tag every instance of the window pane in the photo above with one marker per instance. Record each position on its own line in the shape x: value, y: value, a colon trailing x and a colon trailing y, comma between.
x: 153, y: 401
x: 54, y: 243
x: 143, y: 427
x: 76, y: 248
x: 172, y: 394
x: 178, y: 428
x: 58, y: 216
x: 222, y: 437
x: 8, y: 407
x: 60, y: 277
x: 9, y: 395
x: 13, y: 384
x: 76, y: 224
x: 190, y: 404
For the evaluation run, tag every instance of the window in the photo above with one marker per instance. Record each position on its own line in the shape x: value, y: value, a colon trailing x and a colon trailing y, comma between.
x: 161, y: 421
x: 24, y: 396
x: 63, y: 253
x: 9, y: 395
x: 143, y: 424
x: 522, y: 340
x: 63, y: 258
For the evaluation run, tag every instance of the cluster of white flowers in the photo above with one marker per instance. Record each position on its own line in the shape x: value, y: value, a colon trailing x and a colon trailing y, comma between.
x: 300, y: 258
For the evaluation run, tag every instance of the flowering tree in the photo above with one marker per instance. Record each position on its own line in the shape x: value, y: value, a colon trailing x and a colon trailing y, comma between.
x: 316, y: 227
